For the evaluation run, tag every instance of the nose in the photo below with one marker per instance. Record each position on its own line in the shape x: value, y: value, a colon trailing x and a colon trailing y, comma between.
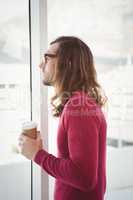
x: 41, y: 65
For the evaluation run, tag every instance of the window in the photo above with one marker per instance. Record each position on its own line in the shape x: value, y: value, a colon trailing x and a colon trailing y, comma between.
x: 15, y: 101
x: 106, y: 26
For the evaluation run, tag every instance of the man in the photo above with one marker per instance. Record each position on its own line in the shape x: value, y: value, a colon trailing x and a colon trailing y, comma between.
x: 80, y: 167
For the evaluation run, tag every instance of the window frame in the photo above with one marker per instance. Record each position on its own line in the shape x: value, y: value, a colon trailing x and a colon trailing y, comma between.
x: 38, y: 16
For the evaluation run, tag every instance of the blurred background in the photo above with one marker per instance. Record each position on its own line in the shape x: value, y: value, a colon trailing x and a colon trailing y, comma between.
x: 106, y: 26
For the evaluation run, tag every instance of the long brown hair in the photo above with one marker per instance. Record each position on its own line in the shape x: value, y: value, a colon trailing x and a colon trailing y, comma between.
x: 75, y: 71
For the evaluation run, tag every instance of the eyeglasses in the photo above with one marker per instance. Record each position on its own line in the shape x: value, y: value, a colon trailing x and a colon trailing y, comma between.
x: 48, y: 55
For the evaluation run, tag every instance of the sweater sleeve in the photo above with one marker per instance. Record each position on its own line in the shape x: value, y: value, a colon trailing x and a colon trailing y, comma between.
x: 80, y: 169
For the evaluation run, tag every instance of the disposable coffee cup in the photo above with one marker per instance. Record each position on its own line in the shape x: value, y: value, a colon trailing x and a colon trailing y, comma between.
x: 30, y: 129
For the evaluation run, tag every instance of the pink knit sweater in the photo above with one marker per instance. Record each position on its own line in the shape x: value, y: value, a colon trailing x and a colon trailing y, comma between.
x: 80, y: 166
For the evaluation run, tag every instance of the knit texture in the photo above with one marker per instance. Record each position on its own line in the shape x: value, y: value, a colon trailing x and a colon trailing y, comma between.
x: 80, y: 166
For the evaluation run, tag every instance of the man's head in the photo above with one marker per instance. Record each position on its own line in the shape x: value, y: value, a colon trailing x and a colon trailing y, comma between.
x: 69, y: 67
x: 68, y: 60
x: 48, y: 64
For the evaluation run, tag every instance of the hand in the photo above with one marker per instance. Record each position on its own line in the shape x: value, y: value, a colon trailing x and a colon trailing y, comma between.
x: 29, y: 147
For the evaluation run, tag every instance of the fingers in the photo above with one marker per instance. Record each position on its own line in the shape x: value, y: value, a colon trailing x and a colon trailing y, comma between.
x: 22, y: 137
x: 21, y: 140
x: 20, y: 144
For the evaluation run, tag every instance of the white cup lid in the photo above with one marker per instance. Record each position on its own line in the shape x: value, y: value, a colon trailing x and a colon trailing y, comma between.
x: 29, y: 125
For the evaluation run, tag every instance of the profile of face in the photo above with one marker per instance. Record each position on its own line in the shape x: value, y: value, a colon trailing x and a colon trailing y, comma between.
x: 48, y: 64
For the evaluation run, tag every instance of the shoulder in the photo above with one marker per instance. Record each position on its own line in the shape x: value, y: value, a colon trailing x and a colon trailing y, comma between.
x: 81, y: 101
x: 82, y: 107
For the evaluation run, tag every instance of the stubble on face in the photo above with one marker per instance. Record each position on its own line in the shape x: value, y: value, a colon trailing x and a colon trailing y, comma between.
x: 47, y: 79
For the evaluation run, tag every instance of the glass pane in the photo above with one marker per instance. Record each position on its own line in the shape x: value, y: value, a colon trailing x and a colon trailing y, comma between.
x: 107, y: 28
x: 15, y: 170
